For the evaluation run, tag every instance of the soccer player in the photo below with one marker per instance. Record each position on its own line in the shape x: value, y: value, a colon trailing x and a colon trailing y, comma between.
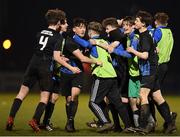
x: 70, y: 83
x: 39, y: 68
x: 148, y: 62
x: 164, y: 38
x: 56, y: 83
x: 120, y: 63
x: 134, y: 79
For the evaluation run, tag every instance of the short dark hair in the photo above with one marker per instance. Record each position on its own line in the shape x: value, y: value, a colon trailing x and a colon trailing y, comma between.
x: 110, y: 21
x: 96, y: 26
x: 78, y: 21
x: 161, y: 17
x: 145, y: 17
x: 129, y: 19
x: 54, y: 15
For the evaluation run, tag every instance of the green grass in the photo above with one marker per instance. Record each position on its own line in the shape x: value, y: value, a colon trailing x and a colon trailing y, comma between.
x: 59, y: 117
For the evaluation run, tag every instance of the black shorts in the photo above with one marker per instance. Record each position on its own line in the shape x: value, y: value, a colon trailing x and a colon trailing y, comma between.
x: 56, y: 88
x: 39, y: 70
x: 150, y: 82
x: 70, y: 80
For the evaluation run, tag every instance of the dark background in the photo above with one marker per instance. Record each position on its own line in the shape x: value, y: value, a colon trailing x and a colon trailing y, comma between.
x: 21, y: 19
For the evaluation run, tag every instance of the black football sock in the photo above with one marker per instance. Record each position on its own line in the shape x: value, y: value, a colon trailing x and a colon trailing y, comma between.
x: 74, y: 108
x: 48, y: 113
x: 67, y: 110
x: 152, y: 108
x: 15, y: 107
x: 165, y: 112
x: 130, y: 112
x: 144, y: 115
x: 39, y: 111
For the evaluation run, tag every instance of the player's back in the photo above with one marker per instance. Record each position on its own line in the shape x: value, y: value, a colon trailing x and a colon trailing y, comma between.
x: 46, y: 41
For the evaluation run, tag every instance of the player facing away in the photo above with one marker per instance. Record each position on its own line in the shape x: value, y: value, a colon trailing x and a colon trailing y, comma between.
x: 38, y: 69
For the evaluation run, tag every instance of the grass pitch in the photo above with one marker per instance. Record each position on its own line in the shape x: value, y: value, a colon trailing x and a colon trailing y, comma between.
x: 59, y: 117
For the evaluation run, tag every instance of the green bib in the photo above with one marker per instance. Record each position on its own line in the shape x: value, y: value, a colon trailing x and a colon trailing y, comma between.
x: 107, y: 69
x: 165, y: 45
x: 133, y: 62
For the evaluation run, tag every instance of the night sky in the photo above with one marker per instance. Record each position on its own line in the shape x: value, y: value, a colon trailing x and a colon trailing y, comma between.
x: 21, y: 19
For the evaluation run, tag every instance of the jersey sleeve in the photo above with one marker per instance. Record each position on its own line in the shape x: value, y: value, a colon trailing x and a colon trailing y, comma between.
x: 84, y: 43
x: 71, y: 45
x: 157, y: 35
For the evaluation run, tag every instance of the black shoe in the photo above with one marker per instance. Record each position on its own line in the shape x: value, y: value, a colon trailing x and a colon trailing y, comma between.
x: 173, y: 117
x: 70, y: 126
x: 105, y: 127
x: 171, y: 128
x: 117, y: 129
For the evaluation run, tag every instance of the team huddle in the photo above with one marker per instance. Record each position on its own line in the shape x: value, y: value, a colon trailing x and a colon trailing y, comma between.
x: 129, y: 61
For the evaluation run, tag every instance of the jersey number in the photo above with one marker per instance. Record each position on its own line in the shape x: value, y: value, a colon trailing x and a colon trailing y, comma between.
x: 43, y: 41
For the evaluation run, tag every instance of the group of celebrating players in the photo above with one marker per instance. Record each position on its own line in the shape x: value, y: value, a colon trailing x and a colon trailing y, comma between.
x: 129, y: 61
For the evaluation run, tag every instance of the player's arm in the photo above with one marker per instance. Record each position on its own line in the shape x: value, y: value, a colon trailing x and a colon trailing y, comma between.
x: 84, y: 43
x: 83, y: 58
x: 120, y: 51
x: 104, y: 45
x: 142, y: 55
x: 63, y: 62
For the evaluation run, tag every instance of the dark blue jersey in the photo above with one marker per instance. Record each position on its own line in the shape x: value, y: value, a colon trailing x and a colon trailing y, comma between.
x: 146, y: 44
x: 69, y: 48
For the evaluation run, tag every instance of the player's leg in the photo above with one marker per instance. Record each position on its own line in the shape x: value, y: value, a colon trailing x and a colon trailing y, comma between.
x: 44, y: 97
x: 49, y: 111
x: 16, y: 105
x: 114, y: 97
x: 99, y: 90
x: 45, y: 82
x: 164, y: 110
x: 28, y: 81
x: 133, y: 94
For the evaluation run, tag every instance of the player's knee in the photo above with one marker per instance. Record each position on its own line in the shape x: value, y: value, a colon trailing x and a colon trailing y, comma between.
x: 158, y: 98
x: 54, y: 97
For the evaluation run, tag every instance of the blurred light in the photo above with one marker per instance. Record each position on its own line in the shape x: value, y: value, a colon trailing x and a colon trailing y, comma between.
x: 6, y: 44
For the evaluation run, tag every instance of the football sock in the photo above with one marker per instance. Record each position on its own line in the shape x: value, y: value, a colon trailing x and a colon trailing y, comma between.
x: 48, y: 113
x: 39, y: 111
x: 15, y: 107
x: 136, y: 118
x: 144, y: 115
x: 165, y: 112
